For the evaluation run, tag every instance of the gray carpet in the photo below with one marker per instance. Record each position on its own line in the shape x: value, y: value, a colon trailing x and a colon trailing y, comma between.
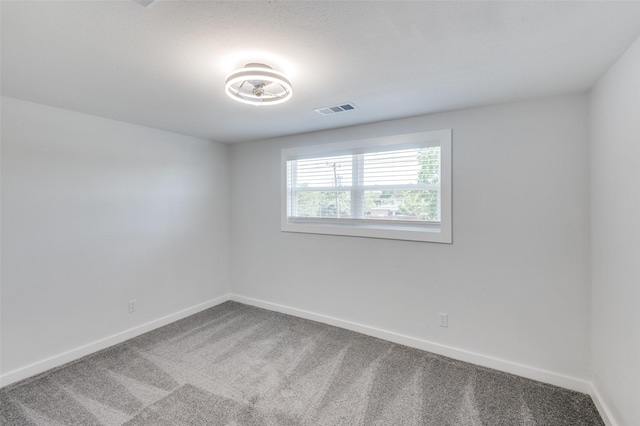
x: 239, y: 365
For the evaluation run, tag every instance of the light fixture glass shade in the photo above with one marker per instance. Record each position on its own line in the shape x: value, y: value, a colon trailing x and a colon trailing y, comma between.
x: 258, y: 84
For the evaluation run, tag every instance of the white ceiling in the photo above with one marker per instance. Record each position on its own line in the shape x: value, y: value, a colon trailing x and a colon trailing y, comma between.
x: 164, y: 66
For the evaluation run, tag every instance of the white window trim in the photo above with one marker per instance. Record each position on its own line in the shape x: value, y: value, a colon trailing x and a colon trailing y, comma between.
x: 426, y: 232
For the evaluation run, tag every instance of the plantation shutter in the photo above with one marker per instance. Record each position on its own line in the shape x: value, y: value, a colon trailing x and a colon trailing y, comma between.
x: 372, y: 184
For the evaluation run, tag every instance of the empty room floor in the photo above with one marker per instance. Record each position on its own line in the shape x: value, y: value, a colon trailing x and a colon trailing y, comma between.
x: 235, y: 364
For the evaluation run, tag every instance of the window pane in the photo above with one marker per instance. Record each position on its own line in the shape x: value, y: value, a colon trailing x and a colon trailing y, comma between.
x: 410, y: 166
x: 312, y: 182
x: 407, y: 205
x: 324, y: 172
x: 324, y: 204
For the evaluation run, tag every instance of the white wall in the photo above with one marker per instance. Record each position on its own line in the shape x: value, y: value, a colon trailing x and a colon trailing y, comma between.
x: 515, y: 281
x: 96, y: 212
x: 615, y: 230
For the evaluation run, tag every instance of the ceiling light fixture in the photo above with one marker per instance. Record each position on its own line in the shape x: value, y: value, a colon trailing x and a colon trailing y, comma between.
x: 258, y: 84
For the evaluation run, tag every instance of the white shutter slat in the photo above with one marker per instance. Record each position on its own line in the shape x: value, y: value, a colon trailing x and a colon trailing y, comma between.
x: 390, y: 185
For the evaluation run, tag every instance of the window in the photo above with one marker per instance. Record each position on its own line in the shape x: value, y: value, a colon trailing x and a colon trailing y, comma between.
x: 396, y: 187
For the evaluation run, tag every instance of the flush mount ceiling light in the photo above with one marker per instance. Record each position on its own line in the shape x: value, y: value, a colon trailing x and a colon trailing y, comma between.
x: 258, y: 84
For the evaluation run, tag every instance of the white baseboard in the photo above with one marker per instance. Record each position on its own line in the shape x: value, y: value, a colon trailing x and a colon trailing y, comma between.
x: 79, y: 352
x: 533, y: 373
x: 455, y: 353
x: 603, y: 408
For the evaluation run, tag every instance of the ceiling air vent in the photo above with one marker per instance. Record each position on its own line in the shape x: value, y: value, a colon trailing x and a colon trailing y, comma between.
x: 335, y: 109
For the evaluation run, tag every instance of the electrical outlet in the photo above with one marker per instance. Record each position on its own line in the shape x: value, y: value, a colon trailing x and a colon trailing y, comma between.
x: 444, y: 320
x: 132, y: 306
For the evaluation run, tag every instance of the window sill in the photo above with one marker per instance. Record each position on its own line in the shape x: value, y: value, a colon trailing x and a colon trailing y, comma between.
x: 430, y: 232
